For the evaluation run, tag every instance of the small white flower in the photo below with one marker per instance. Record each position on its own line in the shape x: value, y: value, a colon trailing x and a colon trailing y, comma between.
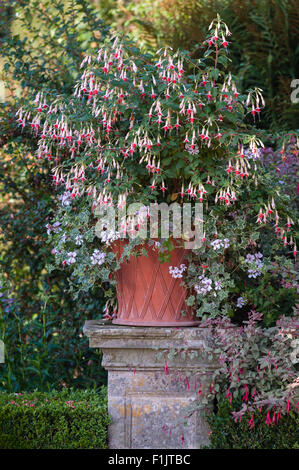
x: 71, y: 257
x: 55, y: 227
x: 97, y: 257
x: 226, y: 243
x: 66, y: 199
x: 255, y: 263
x: 63, y: 238
x: 79, y: 240
x: 177, y: 272
x: 108, y: 236
x: 204, y: 286
x: 218, y: 243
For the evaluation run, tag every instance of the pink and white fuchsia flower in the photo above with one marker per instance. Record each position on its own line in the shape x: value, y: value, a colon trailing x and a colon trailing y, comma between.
x: 72, y: 257
x: 206, y: 286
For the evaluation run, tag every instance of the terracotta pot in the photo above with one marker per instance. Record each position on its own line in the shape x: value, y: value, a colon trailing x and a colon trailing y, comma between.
x: 147, y: 294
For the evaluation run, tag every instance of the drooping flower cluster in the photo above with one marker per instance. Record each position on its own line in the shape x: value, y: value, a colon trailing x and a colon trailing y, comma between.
x: 109, y: 86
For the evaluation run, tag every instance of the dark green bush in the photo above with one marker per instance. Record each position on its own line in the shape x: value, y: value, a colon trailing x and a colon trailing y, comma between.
x: 40, y: 322
x: 56, y: 420
x: 226, y: 434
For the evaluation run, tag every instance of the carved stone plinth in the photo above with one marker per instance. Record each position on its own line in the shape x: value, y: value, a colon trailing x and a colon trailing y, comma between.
x: 146, y: 398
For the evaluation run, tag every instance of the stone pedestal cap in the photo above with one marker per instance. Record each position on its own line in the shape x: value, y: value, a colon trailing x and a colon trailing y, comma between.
x: 140, y: 346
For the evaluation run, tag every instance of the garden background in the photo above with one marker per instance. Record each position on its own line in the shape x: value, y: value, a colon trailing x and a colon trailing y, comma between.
x: 42, y: 46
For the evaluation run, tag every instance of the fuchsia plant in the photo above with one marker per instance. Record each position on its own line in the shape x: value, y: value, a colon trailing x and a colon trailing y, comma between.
x: 257, y: 365
x: 169, y: 128
x: 254, y: 368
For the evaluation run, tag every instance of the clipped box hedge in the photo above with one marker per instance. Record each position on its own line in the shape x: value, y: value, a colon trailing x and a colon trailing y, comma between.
x: 57, y: 420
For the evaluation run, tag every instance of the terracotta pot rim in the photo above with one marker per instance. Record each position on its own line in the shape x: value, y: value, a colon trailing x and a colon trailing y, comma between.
x: 157, y: 324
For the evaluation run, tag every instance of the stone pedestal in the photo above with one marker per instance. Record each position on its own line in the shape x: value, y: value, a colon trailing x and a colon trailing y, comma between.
x: 147, y: 398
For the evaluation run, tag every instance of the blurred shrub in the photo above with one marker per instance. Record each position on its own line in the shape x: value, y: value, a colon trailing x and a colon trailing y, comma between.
x: 40, y: 323
x: 57, y: 420
x: 45, y: 347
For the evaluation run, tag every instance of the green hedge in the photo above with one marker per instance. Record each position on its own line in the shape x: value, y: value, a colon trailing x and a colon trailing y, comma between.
x: 226, y: 434
x: 56, y: 420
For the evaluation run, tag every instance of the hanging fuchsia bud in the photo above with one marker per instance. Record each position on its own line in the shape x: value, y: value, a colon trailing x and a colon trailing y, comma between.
x: 268, y: 419
x: 245, y: 397
x: 153, y: 186
x: 187, y: 383
x: 251, y: 422
x: 229, y: 395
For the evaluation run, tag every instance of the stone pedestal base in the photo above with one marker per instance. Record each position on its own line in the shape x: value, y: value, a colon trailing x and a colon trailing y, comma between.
x: 147, y: 399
